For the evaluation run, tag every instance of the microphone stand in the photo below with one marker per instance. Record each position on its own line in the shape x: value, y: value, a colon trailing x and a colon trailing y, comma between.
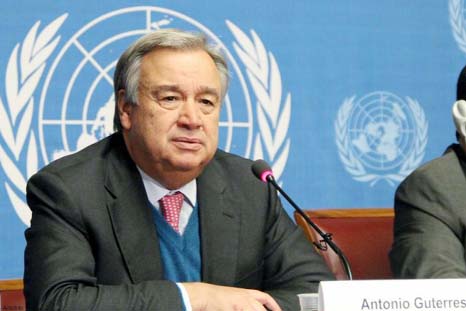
x: 326, y: 237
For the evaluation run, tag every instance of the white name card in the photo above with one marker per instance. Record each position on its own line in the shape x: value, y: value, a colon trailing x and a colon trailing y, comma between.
x: 393, y: 295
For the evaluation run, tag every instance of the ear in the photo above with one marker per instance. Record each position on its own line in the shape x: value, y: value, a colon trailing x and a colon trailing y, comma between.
x: 124, y: 110
x: 459, y: 116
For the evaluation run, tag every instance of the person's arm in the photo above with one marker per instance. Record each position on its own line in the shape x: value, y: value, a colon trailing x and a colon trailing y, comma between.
x: 60, y: 267
x: 428, y: 242
x: 287, y: 263
x: 291, y: 263
x: 291, y: 267
x: 209, y: 297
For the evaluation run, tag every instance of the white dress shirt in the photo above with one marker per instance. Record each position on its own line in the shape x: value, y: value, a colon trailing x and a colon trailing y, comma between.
x: 155, y: 191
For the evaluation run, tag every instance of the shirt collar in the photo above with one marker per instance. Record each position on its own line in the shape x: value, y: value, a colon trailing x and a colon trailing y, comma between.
x: 155, y: 191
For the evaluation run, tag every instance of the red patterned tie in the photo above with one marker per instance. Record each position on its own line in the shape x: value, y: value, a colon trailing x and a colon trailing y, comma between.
x: 170, y: 206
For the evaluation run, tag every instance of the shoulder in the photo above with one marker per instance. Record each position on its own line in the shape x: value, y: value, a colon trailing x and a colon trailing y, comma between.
x: 442, y: 170
x: 92, y: 153
x: 233, y: 170
x: 228, y: 161
x: 87, y: 163
x: 438, y: 184
x: 233, y: 166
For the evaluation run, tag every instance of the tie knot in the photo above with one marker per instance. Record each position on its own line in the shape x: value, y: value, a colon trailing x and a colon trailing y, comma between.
x: 170, y: 206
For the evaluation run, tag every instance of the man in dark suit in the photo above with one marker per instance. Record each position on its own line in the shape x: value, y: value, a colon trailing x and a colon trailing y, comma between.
x: 105, y: 233
x: 430, y: 211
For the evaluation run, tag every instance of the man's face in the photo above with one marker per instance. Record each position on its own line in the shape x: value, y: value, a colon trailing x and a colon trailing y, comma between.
x: 174, y: 127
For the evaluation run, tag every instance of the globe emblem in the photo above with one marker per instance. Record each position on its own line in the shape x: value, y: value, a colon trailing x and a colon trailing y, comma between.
x: 381, y: 131
x: 77, y: 103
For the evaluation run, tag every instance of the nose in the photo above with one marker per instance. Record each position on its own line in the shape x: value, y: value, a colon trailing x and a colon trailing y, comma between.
x: 190, y: 115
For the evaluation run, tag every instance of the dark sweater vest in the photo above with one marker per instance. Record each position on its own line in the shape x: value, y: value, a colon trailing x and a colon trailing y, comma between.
x: 181, y: 255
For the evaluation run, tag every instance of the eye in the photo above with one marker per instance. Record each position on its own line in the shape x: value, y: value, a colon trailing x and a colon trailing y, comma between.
x: 169, y: 101
x: 207, y: 105
x: 207, y: 102
x: 169, y: 98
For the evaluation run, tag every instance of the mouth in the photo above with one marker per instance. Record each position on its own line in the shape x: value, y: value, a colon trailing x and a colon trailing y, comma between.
x: 187, y: 143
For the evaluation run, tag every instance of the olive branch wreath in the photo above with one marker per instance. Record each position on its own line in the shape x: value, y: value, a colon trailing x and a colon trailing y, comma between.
x: 455, y: 8
x: 24, y: 71
x: 354, y: 166
x: 265, y: 79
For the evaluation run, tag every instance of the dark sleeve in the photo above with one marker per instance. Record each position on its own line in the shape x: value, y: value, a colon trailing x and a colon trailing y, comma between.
x: 428, y: 232
x: 292, y: 266
x: 60, y: 265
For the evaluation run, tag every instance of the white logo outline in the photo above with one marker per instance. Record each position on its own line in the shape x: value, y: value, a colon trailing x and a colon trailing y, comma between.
x: 273, y: 120
x: 455, y: 9
x: 356, y: 168
x: 20, y: 88
x: 265, y: 78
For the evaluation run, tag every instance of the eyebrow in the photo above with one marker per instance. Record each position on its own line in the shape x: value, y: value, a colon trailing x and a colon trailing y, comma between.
x: 177, y: 88
x: 160, y: 88
x: 209, y: 91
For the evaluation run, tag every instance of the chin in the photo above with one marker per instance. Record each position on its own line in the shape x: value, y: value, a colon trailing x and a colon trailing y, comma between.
x: 186, y: 160
x: 187, y: 165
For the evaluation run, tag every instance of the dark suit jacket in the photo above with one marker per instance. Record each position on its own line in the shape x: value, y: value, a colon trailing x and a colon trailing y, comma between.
x: 430, y: 220
x: 92, y: 243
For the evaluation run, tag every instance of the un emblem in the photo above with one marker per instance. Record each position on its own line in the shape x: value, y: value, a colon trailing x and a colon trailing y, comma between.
x: 75, y: 106
x: 380, y: 137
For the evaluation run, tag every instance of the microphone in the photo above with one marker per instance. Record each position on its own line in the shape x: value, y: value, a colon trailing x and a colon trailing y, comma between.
x: 262, y: 170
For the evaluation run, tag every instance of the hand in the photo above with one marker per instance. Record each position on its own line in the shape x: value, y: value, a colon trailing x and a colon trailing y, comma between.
x: 208, y: 297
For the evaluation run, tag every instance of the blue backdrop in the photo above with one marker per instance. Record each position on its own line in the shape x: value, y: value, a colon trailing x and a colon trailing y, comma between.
x: 343, y: 98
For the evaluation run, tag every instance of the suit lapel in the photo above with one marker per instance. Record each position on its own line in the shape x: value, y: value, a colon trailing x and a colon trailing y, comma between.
x: 131, y: 217
x: 219, y: 225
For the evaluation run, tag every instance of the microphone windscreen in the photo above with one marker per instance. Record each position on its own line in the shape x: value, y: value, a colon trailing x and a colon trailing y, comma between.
x: 261, y: 170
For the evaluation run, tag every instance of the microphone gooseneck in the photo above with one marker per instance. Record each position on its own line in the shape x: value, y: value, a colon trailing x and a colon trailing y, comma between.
x: 262, y: 171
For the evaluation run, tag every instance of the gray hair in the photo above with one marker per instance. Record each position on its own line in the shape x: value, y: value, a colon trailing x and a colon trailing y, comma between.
x: 128, y: 67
